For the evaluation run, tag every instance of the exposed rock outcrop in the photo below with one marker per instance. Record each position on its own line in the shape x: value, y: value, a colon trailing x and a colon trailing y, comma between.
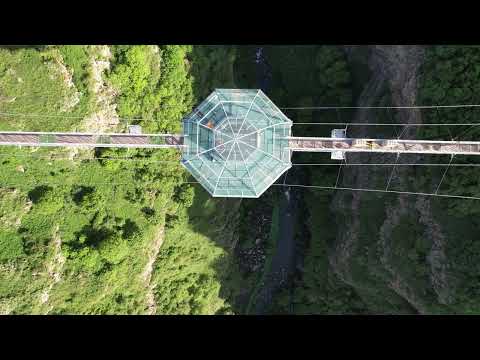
x: 396, y: 67
x: 54, y: 267
x: 105, y: 117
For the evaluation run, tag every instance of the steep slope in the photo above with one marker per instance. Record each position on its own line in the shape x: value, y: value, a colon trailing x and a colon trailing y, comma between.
x: 377, y: 254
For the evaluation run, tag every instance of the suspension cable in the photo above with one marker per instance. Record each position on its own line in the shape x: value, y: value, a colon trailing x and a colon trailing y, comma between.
x: 120, y: 158
x: 166, y: 106
x: 393, y: 170
x: 80, y: 183
x: 339, y: 170
x: 150, y: 160
x: 380, y: 107
x: 389, y: 124
x: 379, y: 190
x: 385, y: 164
x: 57, y: 116
x: 283, y: 185
x: 444, y: 173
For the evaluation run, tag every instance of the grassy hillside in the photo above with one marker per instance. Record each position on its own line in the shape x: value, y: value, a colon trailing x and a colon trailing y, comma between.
x: 85, y: 235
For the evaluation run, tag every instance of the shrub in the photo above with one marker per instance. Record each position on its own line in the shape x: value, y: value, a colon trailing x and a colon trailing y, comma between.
x: 11, y: 245
x: 46, y: 199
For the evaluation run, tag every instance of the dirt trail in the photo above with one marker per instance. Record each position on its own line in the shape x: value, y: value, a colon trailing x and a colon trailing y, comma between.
x: 106, y: 117
x: 146, y: 276
x: 54, y: 268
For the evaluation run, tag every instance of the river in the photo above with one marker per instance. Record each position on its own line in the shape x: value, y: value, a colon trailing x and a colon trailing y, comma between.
x: 284, y: 259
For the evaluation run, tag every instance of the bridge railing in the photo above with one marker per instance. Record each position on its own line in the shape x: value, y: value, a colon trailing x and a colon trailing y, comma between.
x: 91, y: 139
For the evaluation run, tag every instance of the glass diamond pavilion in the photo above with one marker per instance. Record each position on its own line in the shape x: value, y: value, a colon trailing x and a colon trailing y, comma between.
x: 236, y: 143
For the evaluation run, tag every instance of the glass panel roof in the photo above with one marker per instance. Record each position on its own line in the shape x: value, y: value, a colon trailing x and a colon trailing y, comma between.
x: 236, y: 143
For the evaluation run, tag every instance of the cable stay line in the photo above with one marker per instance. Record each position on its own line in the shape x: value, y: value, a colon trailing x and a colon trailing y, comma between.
x: 207, y: 166
x: 65, y: 116
x: 391, y: 174
x: 166, y: 106
x: 285, y: 177
x: 444, y: 173
x: 403, y: 132
x: 339, y: 170
x: 120, y: 158
x: 4, y: 185
x: 50, y: 96
x: 380, y: 190
x: 387, y: 124
x: 387, y: 164
x: 150, y: 160
x: 463, y: 132
x: 380, y: 107
x: 84, y: 183
x: 283, y: 185
x: 46, y: 95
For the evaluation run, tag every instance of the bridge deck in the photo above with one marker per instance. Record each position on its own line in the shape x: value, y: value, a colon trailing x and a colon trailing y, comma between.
x: 383, y: 145
x: 295, y: 143
x: 91, y: 140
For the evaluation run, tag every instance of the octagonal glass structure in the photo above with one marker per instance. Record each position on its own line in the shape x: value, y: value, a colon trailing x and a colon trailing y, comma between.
x: 236, y: 143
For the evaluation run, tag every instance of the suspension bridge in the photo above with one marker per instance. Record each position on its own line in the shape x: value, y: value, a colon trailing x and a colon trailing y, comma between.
x: 73, y: 139
x: 238, y: 143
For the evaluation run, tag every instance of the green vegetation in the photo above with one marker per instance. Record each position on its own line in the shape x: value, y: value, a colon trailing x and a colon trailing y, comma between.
x: 77, y: 59
x: 212, y: 67
x: 406, y: 272
x: 449, y: 76
x: 77, y: 236
x: 363, y: 283
x: 320, y: 291
x: 323, y: 80
x: 269, y: 251
x: 51, y: 86
x: 11, y: 246
x: 194, y: 276
x: 308, y: 76
x: 154, y: 84
x: 101, y: 236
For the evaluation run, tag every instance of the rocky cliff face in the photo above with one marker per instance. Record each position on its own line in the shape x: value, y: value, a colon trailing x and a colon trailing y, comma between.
x: 106, y: 117
x: 362, y: 258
